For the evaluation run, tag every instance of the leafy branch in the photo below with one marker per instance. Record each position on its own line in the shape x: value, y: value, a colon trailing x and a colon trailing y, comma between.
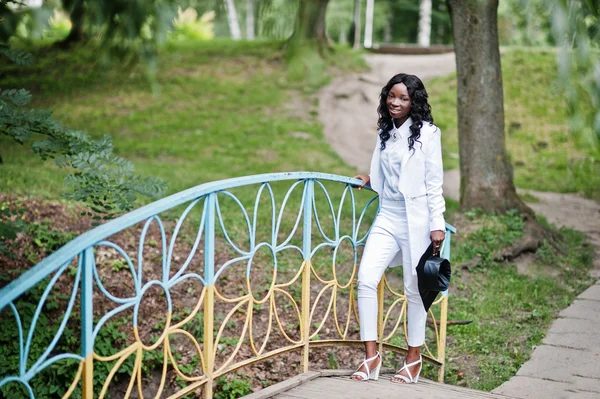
x: 105, y: 181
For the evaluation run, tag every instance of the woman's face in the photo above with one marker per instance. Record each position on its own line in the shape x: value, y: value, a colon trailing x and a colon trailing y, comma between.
x: 398, y: 102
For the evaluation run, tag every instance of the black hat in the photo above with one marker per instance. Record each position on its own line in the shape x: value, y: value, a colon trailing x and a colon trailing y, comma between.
x: 433, y: 273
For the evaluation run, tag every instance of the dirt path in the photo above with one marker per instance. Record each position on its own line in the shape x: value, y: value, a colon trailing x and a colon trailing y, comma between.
x: 347, y: 109
x: 348, y: 106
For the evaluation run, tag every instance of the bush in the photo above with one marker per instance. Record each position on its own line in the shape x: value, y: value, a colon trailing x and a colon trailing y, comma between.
x: 232, y: 389
x: 188, y: 26
x: 59, y: 25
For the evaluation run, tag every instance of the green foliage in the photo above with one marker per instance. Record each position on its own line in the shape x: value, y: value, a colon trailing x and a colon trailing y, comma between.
x: 59, y: 26
x: 525, y: 22
x: 397, y: 21
x: 102, y: 179
x: 232, y: 388
x: 576, y: 29
x: 47, y: 238
x: 21, y: 21
x: 276, y: 18
x: 56, y: 379
x: 44, y: 237
x: 188, y: 26
x: 11, y: 223
x: 339, y: 19
x: 19, y: 57
x: 332, y: 361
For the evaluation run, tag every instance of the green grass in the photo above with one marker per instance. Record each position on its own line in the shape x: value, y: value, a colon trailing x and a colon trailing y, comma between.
x: 220, y: 110
x: 545, y: 155
x: 511, y: 311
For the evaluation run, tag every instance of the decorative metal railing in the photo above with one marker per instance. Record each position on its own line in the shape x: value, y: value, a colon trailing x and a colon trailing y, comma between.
x: 236, y: 291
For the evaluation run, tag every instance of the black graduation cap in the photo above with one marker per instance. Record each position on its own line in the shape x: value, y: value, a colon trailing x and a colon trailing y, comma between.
x: 433, y: 274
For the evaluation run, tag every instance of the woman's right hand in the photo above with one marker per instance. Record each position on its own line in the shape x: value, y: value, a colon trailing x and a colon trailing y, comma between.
x: 366, y: 179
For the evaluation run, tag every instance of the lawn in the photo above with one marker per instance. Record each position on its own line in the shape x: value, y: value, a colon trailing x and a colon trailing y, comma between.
x: 218, y: 110
x: 546, y: 156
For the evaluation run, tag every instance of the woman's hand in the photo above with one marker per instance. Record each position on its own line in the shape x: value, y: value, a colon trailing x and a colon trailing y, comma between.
x: 437, y: 237
x: 366, y: 179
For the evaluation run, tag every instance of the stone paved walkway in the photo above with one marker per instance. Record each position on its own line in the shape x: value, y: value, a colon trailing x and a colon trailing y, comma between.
x: 336, y: 384
x: 567, y: 364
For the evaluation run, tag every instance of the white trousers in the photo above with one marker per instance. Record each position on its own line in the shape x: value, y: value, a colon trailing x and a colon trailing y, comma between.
x: 388, y: 236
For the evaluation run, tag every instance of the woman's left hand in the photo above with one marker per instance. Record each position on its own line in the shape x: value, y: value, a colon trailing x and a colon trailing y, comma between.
x: 437, y: 237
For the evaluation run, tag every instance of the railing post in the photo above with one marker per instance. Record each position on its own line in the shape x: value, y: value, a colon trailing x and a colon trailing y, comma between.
x: 380, y: 307
x: 87, y: 321
x: 209, y: 297
x: 444, y: 312
x: 309, y: 190
x: 442, y: 344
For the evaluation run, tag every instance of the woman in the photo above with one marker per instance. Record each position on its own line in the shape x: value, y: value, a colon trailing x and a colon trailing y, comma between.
x: 407, y: 173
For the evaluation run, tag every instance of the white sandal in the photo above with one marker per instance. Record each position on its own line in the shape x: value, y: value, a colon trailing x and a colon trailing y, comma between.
x: 370, y: 374
x: 410, y: 379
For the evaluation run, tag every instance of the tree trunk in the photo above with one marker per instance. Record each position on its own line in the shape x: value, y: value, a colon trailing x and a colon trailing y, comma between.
x: 369, y: 23
x: 486, y: 175
x: 387, y: 34
x: 424, y: 36
x: 343, y: 38
x: 309, y: 27
x: 486, y: 172
x: 76, y: 9
x: 357, y: 23
x: 250, y: 19
x: 232, y: 20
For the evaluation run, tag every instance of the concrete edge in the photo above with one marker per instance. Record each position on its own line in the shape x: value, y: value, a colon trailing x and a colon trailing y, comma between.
x: 348, y: 372
x: 411, y: 49
x: 303, y: 378
x: 284, y: 386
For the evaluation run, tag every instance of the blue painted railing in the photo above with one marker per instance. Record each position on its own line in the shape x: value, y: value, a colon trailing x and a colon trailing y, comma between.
x: 312, y: 319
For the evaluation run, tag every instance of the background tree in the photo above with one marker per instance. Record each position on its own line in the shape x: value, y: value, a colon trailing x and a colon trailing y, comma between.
x: 339, y: 20
x: 486, y: 174
x: 232, y: 20
x: 369, y: 16
x: 357, y: 24
x: 309, y: 26
x: 276, y: 18
x: 424, y: 38
x: 576, y: 29
x: 525, y: 22
x: 486, y: 171
x: 250, y: 23
x: 398, y: 21
x: 125, y: 28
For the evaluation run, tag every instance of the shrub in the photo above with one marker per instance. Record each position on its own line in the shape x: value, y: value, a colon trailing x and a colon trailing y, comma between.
x: 188, y: 26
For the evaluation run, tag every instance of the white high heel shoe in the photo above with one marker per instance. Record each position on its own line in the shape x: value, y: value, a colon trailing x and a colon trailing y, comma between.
x: 410, y: 379
x: 370, y: 374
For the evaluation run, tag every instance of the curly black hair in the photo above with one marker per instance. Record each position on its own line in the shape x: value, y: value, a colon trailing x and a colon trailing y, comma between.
x: 420, y: 110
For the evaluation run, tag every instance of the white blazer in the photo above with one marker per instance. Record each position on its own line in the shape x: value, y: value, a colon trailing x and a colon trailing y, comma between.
x: 420, y: 183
